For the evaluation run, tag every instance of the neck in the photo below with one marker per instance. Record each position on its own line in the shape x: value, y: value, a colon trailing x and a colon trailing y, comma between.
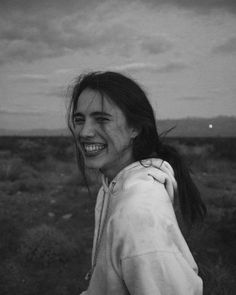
x: 111, y: 173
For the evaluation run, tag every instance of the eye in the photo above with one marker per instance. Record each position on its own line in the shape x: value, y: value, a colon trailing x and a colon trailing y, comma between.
x: 78, y: 120
x: 102, y: 120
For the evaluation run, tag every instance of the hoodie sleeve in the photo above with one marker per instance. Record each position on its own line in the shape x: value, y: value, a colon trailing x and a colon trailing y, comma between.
x: 160, y: 273
x: 153, y: 255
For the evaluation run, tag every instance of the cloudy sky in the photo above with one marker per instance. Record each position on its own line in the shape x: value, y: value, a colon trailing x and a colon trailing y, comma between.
x: 183, y: 52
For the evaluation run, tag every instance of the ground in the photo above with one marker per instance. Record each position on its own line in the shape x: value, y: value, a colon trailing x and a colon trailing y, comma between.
x: 46, y: 215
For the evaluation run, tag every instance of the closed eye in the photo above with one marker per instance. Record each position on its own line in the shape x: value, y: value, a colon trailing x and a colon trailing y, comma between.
x: 102, y: 120
x: 78, y: 120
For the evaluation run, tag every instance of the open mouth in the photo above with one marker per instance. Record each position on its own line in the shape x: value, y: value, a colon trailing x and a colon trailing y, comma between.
x: 93, y: 148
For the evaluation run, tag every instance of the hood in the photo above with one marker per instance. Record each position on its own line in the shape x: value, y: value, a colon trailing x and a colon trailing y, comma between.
x: 156, y: 168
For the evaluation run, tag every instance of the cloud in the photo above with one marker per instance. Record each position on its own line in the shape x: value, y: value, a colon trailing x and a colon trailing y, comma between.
x: 33, y: 7
x: 201, y: 6
x: 155, y: 44
x: 194, y: 98
x: 171, y: 67
x: 26, y: 51
x: 69, y: 6
x: 229, y: 47
x: 32, y: 39
x: 33, y: 30
x: 20, y: 112
x: 56, y: 91
x: 135, y: 67
x: 64, y: 71
x: 60, y: 91
x: 27, y: 39
x: 30, y: 78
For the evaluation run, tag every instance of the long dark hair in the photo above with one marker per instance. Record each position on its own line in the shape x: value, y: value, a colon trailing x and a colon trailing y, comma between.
x: 132, y: 100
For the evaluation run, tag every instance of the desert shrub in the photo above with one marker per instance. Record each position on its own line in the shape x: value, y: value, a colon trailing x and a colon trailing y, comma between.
x: 26, y: 184
x: 55, y: 281
x: 16, y: 175
x: 31, y: 151
x: 63, y: 151
x: 15, y: 168
x: 76, y: 179
x: 225, y: 148
x: 70, y: 152
x: 220, y: 147
x: 14, y: 280
x: 9, y: 233
x: 196, y: 156
x: 217, y: 279
x: 47, y: 246
x: 10, y: 168
x: 213, y: 246
x: 9, y: 188
x: 5, y: 154
x: 30, y: 185
x: 224, y: 202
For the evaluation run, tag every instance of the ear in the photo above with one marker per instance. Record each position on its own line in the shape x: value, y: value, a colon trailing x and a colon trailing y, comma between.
x: 134, y: 133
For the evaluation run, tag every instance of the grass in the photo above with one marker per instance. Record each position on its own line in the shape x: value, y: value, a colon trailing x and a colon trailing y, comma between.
x: 46, y: 216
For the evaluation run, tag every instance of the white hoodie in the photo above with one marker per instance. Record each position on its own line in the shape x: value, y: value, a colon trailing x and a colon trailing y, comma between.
x: 140, y: 249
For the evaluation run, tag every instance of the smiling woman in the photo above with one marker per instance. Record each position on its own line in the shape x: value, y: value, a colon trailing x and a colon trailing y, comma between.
x: 138, y: 246
x: 103, y: 134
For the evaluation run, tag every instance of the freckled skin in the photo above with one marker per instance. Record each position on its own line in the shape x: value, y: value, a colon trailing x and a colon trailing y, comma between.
x: 114, y: 133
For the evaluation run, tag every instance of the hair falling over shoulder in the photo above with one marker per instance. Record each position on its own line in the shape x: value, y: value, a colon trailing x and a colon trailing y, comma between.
x: 191, y: 205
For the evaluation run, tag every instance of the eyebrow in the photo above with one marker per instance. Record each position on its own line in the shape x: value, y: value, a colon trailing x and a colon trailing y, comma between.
x: 92, y: 114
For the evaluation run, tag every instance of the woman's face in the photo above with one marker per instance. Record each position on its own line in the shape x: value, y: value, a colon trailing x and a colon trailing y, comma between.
x: 104, y: 137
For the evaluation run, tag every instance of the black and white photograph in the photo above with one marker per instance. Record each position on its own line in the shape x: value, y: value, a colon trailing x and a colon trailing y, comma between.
x: 117, y: 147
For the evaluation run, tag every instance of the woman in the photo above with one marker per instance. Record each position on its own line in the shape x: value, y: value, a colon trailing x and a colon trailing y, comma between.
x: 138, y: 247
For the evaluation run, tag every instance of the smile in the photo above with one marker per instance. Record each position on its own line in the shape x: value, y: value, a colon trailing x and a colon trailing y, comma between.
x: 93, y: 148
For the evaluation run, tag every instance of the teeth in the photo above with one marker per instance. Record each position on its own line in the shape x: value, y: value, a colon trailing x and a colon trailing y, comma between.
x: 93, y: 147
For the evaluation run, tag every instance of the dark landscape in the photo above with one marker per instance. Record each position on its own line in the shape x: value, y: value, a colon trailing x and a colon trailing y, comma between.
x: 46, y: 214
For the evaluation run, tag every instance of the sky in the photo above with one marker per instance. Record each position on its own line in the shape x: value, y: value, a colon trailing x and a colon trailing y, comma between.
x: 182, y: 52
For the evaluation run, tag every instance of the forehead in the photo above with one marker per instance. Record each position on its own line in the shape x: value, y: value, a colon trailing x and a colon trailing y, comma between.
x: 92, y: 101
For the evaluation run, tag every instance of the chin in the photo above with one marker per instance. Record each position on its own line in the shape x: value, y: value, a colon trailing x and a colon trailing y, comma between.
x: 93, y: 164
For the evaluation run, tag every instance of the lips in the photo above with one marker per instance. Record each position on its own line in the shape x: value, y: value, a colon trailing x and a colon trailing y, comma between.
x: 93, y: 148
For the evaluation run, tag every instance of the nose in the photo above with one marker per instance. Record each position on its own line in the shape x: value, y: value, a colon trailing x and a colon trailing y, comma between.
x: 86, y: 130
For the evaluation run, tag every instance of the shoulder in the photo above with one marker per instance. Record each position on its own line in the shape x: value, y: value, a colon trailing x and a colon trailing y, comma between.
x: 154, y: 176
x: 143, y: 223
x: 143, y: 196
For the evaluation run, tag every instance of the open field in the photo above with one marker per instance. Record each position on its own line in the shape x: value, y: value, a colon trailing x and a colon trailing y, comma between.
x: 46, y: 215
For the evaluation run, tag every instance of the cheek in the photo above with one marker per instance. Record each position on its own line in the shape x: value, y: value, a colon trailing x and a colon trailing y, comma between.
x: 125, y: 132
x: 121, y: 136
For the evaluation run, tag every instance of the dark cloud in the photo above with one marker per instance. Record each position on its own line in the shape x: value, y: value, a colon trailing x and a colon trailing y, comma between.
x: 229, y: 47
x: 207, y: 5
x: 155, y: 44
x: 28, y: 39
x: 173, y: 67
x: 48, y: 7
x: 68, y: 6
x: 32, y: 30
x: 201, y: 6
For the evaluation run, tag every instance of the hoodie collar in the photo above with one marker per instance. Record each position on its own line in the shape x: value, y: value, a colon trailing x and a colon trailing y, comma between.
x: 163, y: 173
